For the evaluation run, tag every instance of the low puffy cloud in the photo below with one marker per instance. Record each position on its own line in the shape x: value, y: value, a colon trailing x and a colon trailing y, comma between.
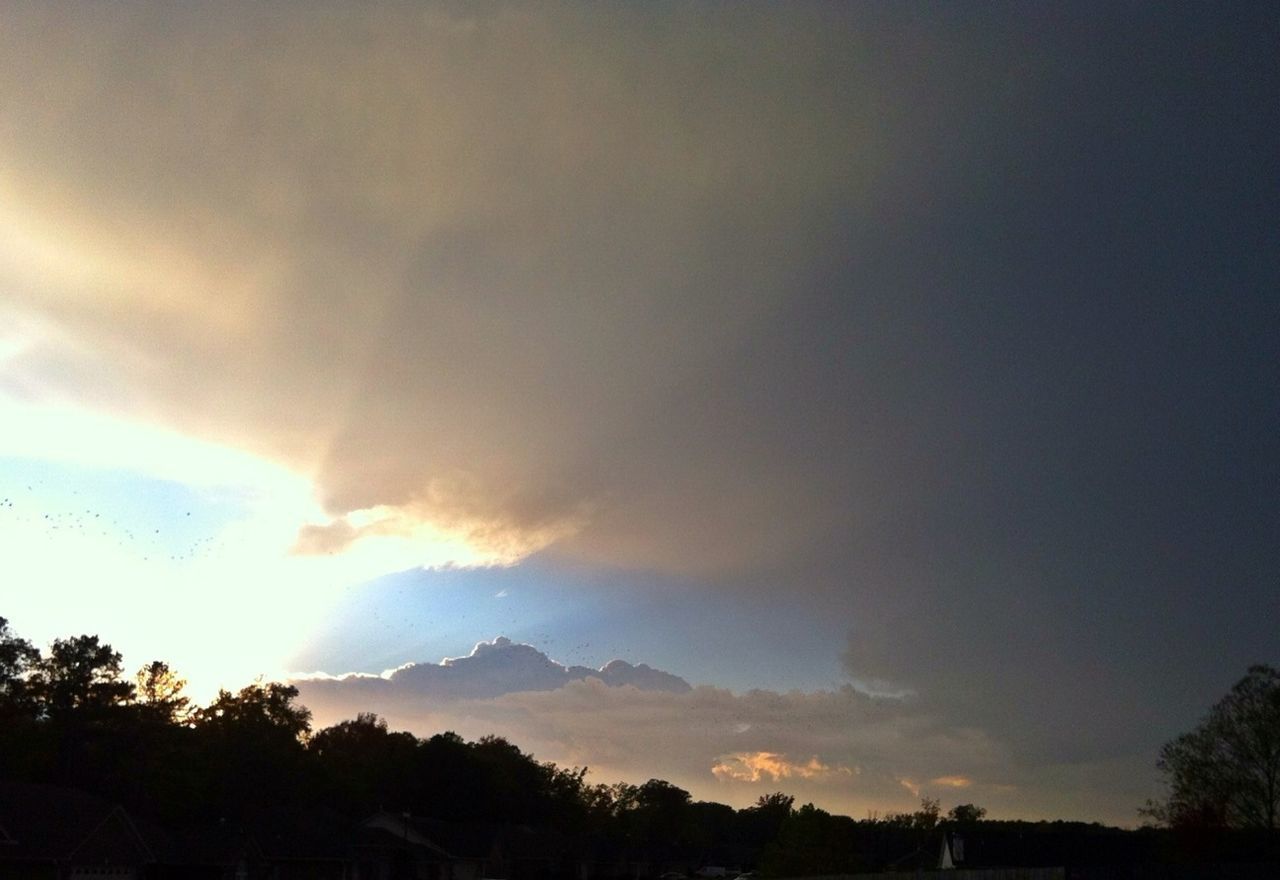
x: 841, y: 748
x: 490, y: 670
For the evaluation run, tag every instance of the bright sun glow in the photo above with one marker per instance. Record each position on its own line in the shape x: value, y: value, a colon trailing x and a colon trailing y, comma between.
x: 236, y: 606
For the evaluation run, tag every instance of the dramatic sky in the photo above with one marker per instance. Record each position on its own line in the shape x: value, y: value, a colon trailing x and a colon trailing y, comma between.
x: 900, y: 382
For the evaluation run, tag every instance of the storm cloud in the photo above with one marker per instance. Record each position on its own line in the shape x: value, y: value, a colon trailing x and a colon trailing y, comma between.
x: 959, y: 327
x: 496, y: 270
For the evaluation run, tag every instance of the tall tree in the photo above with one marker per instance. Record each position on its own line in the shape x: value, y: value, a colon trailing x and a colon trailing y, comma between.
x: 79, y: 674
x: 1227, y: 771
x: 265, y: 708
x: 365, y: 766
x: 24, y: 751
x: 966, y: 814
x: 249, y: 748
x: 764, y: 820
x: 159, y: 691
x: 776, y: 801
x: 17, y: 657
x: 660, y: 813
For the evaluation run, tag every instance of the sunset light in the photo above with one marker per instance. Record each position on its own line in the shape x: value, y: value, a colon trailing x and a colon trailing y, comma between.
x: 742, y: 441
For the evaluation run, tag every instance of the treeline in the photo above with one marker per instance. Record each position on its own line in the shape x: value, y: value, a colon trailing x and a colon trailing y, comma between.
x: 71, y: 717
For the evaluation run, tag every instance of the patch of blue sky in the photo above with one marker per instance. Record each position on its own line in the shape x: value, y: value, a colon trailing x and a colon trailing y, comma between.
x: 148, y: 515
x: 582, y: 617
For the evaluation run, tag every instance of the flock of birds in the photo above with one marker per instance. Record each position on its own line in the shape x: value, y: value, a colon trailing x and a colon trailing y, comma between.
x: 147, y: 543
x: 46, y: 511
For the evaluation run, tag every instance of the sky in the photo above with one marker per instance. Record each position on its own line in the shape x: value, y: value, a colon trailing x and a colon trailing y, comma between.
x: 902, y: 378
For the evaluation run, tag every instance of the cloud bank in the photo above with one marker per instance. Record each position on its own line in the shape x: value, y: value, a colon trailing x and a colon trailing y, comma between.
x: 840, y: 747
x: 484, y: 270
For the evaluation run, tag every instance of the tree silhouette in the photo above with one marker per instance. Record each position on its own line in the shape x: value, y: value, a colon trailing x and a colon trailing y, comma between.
x: 79, y: 674
x: 159, y: 691
x: 249, y: 748
x: 811, y: 842
x: 652, y: 813
x: 249, y: 761
x: 925, y: 818
x: 17, y: 657
x: 1226, y: 772
x: 265, y: 708
x: 362, y: 763
x: 764, y: 819
x: 966, y: 814
x: 776, y: 801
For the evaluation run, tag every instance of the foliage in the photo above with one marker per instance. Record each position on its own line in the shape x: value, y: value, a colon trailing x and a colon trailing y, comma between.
x: 251, y: 755
x: 812, y: 841
x: 778, y: 801
x: 966, y: 814
x: 1226, y: 772
x: 159, y: 692
x: 923, y: 819
x: 653, y: 812
x: 765, y: 819
x: 362, y: 763
x: 262, y: 707
x: 17, y: 657
x: 80, y: 673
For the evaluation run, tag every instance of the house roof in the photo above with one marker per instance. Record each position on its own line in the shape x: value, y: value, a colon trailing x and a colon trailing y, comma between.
x: 311, y: 835
x: 53, y: 823
x: 210, y: 845
x: 446, y: 839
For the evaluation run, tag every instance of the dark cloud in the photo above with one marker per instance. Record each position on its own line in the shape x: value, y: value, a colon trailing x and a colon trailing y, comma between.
x: 959, y: 327
x: 510, y: 311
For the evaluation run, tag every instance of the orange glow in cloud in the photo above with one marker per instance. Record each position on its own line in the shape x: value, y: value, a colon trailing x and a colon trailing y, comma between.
x: 916, y: 788
x: 758, y: 766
